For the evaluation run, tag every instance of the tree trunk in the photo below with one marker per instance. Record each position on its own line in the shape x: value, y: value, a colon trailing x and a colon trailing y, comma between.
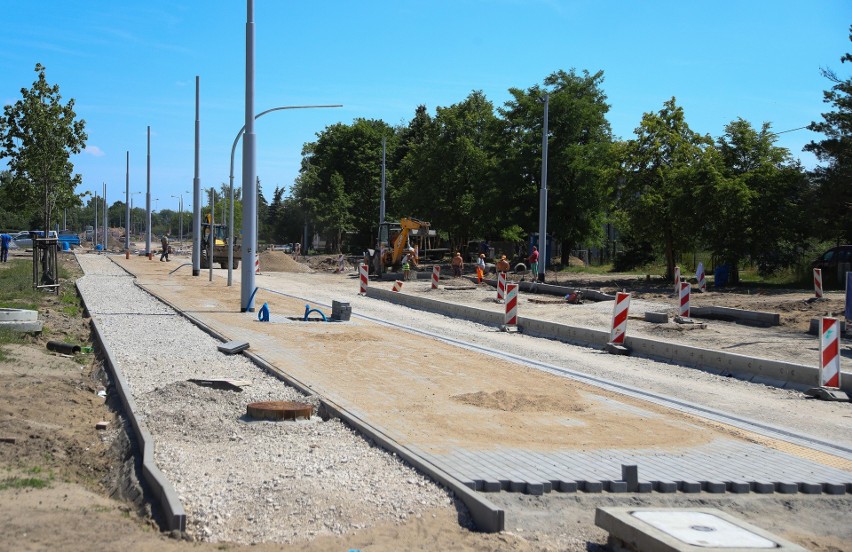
x: 669, y: 254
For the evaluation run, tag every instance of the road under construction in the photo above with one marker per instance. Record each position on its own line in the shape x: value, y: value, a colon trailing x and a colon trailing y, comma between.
x: 480, y: 418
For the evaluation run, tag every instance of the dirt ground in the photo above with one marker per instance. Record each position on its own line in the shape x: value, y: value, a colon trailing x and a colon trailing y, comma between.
x: 66, y: 485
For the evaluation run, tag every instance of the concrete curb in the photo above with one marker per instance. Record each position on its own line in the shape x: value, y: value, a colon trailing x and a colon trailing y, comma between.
x: 758, y: 370
x: 160, y: 486
x: 486, y: 515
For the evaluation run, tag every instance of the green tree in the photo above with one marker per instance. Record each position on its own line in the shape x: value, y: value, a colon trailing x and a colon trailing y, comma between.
x: 354, y: 152
x: 580, y: 156
x: 39, y: 133
x: 447, y: 177
x: 834, y: 194
x: 759, y: 186
x: 661, y: 166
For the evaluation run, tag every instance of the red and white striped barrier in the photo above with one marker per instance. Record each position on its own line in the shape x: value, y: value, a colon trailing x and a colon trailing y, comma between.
x: 619, y: 318
x: 436, y: 276
x: 364, y: 278
x: 257, y: 264
x: 829, y: 352
x: 818, y: 282
x: 702, y: 279
x: 511, y: 317
x: 501, y: 287
x: 677, y: 280
x: 683, y: 310
x: 397, y: 286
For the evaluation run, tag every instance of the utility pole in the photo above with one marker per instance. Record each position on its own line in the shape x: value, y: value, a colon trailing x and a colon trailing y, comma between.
x: 249, y: 174
x: 542, y: 207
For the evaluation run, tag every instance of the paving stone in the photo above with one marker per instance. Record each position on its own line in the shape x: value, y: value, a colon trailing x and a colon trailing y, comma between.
x: 786, y: 488
x: 517, y: 486
x: 738, y: 487
x: 810, y: 488
x: 535, y: 489
x: 568, y: 486
x: 834, y: 488
x: 689, y: 486
x: 617, y: 486
x: 645, y: 487
x: 762, y: 487
x: 665, y: 486
x: 713, y: 487
x: 593, y: 487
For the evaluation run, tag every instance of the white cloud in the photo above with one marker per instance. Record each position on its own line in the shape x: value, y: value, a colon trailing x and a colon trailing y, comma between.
x: 94, y: 150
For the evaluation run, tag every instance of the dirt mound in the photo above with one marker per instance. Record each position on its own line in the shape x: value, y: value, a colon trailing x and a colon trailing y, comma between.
x: 278, y: 261
x: 521, y: 402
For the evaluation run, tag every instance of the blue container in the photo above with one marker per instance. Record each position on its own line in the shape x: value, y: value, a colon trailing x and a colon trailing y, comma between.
x: 66, y: 246
x: 99, y: 247
x: 720, y: 275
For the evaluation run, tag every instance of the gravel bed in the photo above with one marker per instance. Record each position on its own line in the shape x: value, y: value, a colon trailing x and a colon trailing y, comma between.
x: 241, y: 480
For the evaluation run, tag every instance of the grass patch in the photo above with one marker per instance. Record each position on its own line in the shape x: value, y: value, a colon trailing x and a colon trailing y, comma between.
x: 70, y: 304
x: 23, y: 483
x: 16, y: 286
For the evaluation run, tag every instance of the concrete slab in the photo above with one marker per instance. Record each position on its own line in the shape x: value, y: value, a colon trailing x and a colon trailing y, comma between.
x: 684, y: 530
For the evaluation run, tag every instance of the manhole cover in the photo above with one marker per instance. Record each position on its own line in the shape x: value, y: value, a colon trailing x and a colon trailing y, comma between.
x: 279, y: 410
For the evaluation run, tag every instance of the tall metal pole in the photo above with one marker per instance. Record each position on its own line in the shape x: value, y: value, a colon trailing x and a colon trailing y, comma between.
x: 382, y: 202
x: 249, y: 174
x: 148, y: 201
x: 196, y: 189
x: 180, y: 221
x: 106, y: 220
x: 542, y: 207
x: 95, y: 227
x: 127, y: 206
x: 212, y: 237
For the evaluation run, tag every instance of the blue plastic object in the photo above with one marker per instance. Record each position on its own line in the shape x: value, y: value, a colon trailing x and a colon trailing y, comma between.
x: 720, y: 275
x: 66, y: 246
x: 309, y: 310
x: 99, y: 247
x: 263, y: 313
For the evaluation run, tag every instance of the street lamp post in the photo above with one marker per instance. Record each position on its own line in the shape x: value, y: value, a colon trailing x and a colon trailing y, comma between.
x: 542, y: 207
x: 231, y: 181
x: 180, y: 215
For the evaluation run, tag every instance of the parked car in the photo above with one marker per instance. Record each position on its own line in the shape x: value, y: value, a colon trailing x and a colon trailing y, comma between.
x: 834, y: 263
x: 27, y: 242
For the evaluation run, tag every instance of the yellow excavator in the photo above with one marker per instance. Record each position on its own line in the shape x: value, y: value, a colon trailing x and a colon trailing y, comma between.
x: 394, y: 240
x: 219, y: 233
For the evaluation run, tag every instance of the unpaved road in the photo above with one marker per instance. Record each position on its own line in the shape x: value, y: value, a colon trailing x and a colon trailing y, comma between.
x: 60, y: 519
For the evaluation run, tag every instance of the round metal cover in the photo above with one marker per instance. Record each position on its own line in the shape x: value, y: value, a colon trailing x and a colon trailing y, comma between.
x: 279, y: 410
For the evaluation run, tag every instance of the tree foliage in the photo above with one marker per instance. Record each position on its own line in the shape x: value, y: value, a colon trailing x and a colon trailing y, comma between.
x: 38, y: 135
x: 834, y: 197
x: 660, y: 168
x: 580, y: 154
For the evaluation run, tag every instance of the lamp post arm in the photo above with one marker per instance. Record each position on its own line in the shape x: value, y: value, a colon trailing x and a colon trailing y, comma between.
x: 231, y: 179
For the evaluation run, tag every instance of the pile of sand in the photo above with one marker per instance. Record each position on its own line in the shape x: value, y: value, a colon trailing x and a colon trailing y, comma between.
x: 278, y: 261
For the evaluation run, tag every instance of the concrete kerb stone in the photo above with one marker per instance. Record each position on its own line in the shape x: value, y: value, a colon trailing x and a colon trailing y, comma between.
x: 486, y: 515
x: 173, y: 511
x: 766, y: 371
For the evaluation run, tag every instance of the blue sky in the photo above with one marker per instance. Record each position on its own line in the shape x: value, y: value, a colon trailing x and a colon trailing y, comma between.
x: 131, y: 64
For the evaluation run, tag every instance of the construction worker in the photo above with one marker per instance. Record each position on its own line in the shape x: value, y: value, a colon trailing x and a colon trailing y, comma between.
x: 164, y: 241
x: 503, y: 264
x: 533, y: 259
x: 458, y: 265
x: 480, y: 268
x: 341, y: 263
x: 406, y: 264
